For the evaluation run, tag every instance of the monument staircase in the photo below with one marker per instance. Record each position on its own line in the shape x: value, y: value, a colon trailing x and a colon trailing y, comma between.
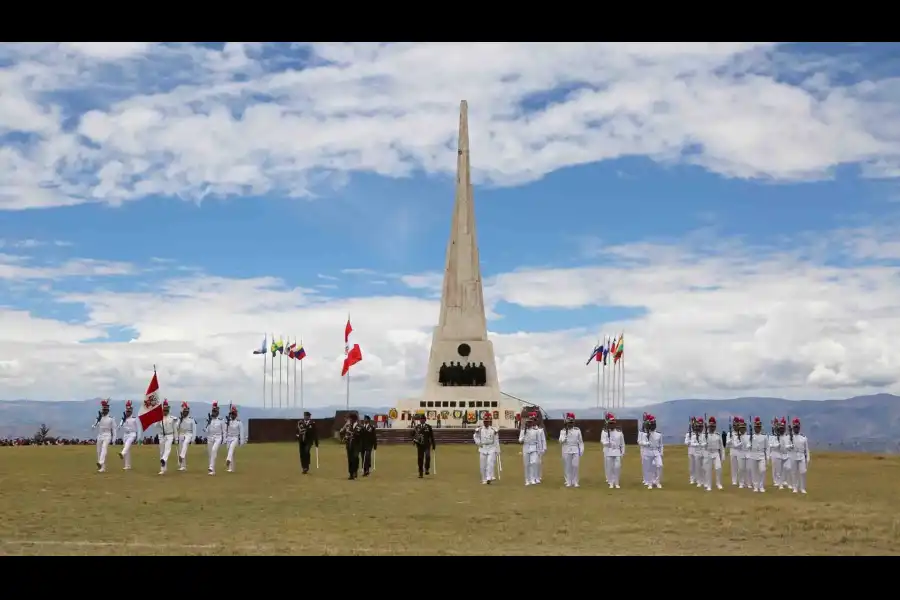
x: 443, y: 435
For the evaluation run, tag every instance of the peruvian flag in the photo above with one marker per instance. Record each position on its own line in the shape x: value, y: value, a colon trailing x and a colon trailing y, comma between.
x: 352, y: 355
x: 151, y: 410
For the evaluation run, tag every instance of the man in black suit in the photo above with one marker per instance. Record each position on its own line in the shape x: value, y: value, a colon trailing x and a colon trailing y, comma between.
x: 368, y: 443
x: 423, y: 438
x: 307, y: 436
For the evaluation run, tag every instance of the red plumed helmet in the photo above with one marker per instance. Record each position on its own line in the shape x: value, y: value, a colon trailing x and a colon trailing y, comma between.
x: 610, y: 417
x: 651, y: 418
x: 128, y: 404
x: 796, y: 421
x: 712, y: 420
x: 783, y: 421
x: 215, y: 404
x: 104, y: 404
x: 184, y: 406
x: 165, y: 402
x: 756, y: 420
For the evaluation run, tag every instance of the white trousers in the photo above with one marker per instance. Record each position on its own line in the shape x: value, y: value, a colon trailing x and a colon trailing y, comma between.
x: 165, y: 448
x: 648, y: 470
x: 185, y: 441
x: 130, y: 438
x: 539, y: 467
x: 733, y: 463
x: 797, y: 472
x: 232, y: 443
x: 696, y: 466
x: 777, y: 471
x: 532, y: 464
x: 103, y: 441
x: 212, y: 450
x: 571, y: 463
x: 710, y: 464
x: 613, y: 468
x: 486, y: 463
x: 756, y: 468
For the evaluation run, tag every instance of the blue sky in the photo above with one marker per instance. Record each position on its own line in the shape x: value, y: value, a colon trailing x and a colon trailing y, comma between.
x: 733, y: 207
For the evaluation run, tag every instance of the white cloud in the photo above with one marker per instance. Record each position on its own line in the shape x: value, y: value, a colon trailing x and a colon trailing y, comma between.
x: 18, y: 268
x: 720, y: 320
x: 192, y: 122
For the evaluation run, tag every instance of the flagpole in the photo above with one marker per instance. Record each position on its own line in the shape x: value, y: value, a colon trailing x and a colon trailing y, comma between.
x: 280, y: 375
x: 272, y: 371
x: 348, y: 389
x: 295, y: 375
x: 264, y: 373
x: 598, y: 359
x: 301, y: 377
x: 623, y: 380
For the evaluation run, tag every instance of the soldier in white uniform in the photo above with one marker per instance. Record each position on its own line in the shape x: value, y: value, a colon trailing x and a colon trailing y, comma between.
x: 540, y: 465
x: 713, y: 455
x: 741, y: 447
x: 106, y: 433
x: 234, y: 437
x: 692, y: 441
x: 775, y: 459
x: 531, y: 438
x: 487, y: 439
x: 613, y: 450
x: 730, y: 441
x: 646, y: 452
x: 654, y: 440
x: 167, y: 429
x: 799, y: 457
x: 784, y: 449
x: 756, y: 456
x: 215, y: 433
x: 572, y: 450
x: 187, y: 431
x: 131, y: 425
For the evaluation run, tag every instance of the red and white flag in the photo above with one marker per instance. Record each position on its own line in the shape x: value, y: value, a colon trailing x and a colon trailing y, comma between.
x: 151, y: 410
x: 352, y: 354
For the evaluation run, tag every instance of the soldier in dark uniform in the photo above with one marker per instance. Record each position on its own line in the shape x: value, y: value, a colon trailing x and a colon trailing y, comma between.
x: 307, y: 436
x: 350, y: 436
x: 368, y: 443
x: 481, y: 378
x: 468, y: 375
x: 423, y: 438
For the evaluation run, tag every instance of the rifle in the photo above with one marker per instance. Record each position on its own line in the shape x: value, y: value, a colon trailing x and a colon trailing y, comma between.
x: 123, y: 419
x: 208, y: 419
x: 790, y: 428
x: 99, y: 416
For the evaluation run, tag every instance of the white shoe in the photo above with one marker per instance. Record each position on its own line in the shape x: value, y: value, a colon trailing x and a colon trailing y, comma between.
x: 611, y: 486
x: 741, y: 486
x: 618, y: 487
x: 755, y: 490
x: 576, y: 485
x: 762, y: 490
x: 795, y: 491
x: 692, y: 481
x: 182, y: 468
x: 567, y: 485
x: 527, y: 483
x: 211, y: 473
x: 230, y: 470
x: 161, y: 473
x: 719, y: 486
x: 802, y: 491
x: 699, y: 485
x: 659, y: 486
x: 538, y: 481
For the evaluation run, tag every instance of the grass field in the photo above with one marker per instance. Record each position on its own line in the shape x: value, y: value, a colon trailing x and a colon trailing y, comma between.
x: 52, y: 502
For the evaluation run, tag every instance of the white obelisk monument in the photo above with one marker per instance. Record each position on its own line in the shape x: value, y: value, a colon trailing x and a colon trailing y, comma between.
x: 461, y: 334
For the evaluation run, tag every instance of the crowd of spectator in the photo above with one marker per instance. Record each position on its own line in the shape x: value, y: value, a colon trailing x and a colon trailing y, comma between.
x: 53, y: 441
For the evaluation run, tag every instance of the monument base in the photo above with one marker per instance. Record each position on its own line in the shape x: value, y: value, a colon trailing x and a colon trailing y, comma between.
x: 457, y: 406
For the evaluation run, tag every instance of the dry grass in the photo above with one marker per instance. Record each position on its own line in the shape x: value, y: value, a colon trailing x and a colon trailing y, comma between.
x: 53, y: 503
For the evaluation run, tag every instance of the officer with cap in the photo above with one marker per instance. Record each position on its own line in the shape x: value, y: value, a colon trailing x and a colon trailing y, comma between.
x: 307, y: 437
x: 368, y: 443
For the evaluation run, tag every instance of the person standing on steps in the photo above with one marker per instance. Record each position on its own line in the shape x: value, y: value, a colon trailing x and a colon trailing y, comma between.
x: 423, y: 438
x: 307, y: 437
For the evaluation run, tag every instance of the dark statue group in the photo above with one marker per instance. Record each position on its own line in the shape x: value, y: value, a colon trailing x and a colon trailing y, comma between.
x: 456, y: 374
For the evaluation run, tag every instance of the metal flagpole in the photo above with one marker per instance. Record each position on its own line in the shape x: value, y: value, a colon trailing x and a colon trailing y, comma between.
x: 295, y: 375
x: 301, y: 378
x: 272, y: 372
x: 598, y: 359
x: 622, y: 397
x: 602, y: 401
x: 264, y: 373
x: 280, y: 376
x: 348, y: 389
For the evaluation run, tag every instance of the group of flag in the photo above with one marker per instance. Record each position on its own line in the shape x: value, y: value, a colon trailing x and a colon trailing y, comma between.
x: 611, y: 346
x: 352, y: 353
x: 277, y: 347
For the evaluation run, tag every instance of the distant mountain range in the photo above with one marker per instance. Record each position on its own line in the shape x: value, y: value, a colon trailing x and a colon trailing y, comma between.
x: 861, y: 424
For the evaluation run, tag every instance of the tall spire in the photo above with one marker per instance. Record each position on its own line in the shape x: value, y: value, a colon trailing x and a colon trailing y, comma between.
x: 462, y: 299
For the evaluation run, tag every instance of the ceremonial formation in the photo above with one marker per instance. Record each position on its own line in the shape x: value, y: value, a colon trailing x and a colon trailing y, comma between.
x: 462, y: 381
